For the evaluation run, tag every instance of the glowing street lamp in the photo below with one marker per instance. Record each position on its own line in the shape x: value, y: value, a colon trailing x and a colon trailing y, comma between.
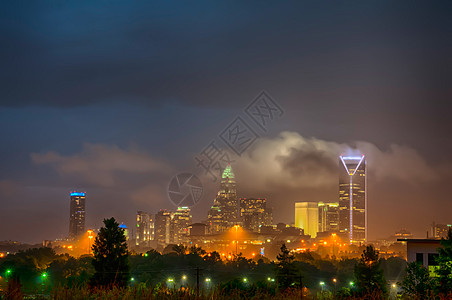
x: 322, y: 284
x: 245, y: 280
x: 236, y: 239
x: 90, y: 236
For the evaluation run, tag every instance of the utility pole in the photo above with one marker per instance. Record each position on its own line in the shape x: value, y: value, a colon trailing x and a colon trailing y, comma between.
x: 197, y: 282
x: 301, y: 286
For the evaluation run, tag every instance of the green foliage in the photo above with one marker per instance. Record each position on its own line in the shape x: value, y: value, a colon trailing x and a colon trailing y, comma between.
x: 417, y: 283
x: 179, y: 249
x: 286, y: 272
x: 444, y: 261
x: 27, y: 266
x: 110, y: 256
x: 369, y: 274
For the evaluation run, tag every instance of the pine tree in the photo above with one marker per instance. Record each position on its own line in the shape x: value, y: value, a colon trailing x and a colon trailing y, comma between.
x: 369, y: 275
x: 417, y: 283
x: 286, y: 272
x: 110, y: 261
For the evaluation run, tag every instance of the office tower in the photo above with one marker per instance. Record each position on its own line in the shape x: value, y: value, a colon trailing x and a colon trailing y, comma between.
x: 307, y: 217
x: 163, y: 227
x: 440, y: 230
x: 145, y: 228
x: 77, y: 215
x: 353, y: 198
x: 225, y: 212
x: 180, y: 222
x: 328, y: 217
x: 254, y: 213
x: 126, y: 231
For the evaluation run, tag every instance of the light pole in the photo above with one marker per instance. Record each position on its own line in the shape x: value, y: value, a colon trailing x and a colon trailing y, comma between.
x: 335, y: 285
x: 90, y: 236
x: 236, y: 239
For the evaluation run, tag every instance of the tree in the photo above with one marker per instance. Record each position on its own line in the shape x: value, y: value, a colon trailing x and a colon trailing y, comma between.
x: 286, y: 271
x: 369, y: 274
x: 417, y: 282
x: 197, y: 250
x: 444, y: 261
x: 179, y: 249
x: 110, y: 256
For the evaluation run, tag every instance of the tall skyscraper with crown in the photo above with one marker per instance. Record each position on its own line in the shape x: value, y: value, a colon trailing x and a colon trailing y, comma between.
x: 225, y: 211
x: 353, y: 198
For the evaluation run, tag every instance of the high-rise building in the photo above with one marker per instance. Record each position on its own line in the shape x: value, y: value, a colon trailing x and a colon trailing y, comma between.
x: 440, y: 230
x: 163, y: 227
x: 126, y: 231
x: 254, y: 213
x: 180, y: 222
x: 77, y: 215
x: 145, y: 228
x: 307, y: 217
x: 353, y: 198
x: 328, y: 217
x: 225, y: 211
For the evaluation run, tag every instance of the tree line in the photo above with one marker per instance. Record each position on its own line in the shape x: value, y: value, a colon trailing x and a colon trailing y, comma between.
x: 193, y: 270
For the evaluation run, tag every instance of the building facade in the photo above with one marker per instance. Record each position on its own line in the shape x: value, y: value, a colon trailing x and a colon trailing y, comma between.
x: 77, y: 215
x: 353, y: 198
x: 163, y: 227
x: 254, y: 213
x: 180, y: 222
x: 145, y: 228
x: 440, y: 231
x: 328, y: 217
x: 307, y: 217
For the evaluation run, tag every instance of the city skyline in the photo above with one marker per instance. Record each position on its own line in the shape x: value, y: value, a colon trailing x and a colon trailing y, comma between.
x: 118, y: 100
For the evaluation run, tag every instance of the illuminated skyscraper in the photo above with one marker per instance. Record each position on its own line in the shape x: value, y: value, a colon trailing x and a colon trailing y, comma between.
x: 225, y: 211
x: 145, y: 228
x: 307, y: 217
x: 77, y: 215
x: 180, y: 221
x: 328, y: 217
x: 254, y: 213
x: 163, y: 227
x: 353, y: 198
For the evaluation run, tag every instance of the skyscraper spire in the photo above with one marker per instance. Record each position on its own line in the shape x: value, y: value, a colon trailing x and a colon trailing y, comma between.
x: 227, y: 173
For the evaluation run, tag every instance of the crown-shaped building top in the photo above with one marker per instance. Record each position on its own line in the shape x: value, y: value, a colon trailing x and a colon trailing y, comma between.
x: 227, y: 173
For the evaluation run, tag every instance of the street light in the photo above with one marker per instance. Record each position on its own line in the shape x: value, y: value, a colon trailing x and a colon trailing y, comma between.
x: 90, y: 236
x: 322, y: 284
x: 245, y: 279
x: 236, y: 239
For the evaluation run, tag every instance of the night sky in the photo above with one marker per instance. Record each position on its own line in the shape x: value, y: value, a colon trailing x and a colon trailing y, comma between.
x: 116, y: 97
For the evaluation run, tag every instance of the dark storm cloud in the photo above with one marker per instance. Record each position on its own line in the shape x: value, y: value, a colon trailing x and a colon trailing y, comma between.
x: 375, y: 72
x: 75, y: 53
